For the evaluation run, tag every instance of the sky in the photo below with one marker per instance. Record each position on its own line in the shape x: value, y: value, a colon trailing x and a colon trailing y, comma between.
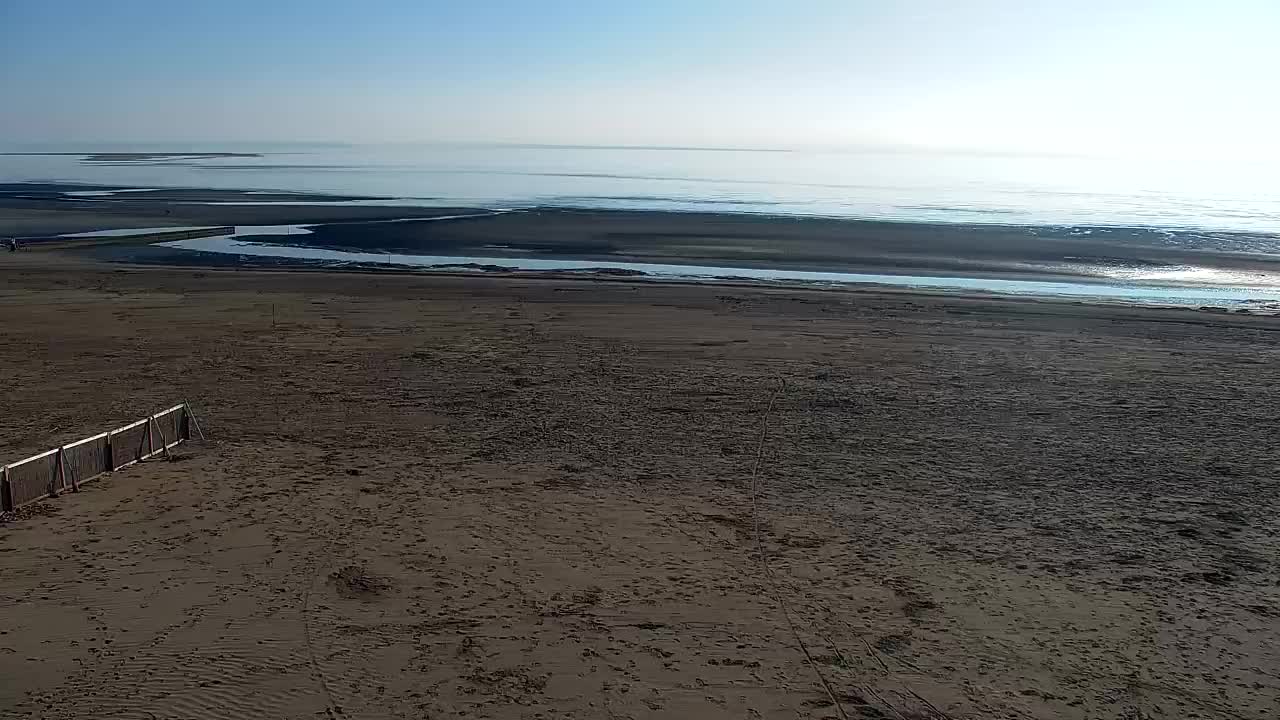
x: 1047, y: 76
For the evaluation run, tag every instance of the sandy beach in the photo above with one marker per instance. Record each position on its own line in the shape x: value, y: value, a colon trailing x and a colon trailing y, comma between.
x: 430, y: 496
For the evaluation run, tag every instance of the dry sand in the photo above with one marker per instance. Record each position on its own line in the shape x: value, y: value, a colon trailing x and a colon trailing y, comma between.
x: 443, y: 497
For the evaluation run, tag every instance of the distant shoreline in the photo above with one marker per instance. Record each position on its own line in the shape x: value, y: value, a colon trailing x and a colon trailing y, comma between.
x: 149, y: 199
x: 136, y: 157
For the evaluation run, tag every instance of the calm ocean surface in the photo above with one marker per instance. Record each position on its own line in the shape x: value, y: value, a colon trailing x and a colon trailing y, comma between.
x: 1221, y: 194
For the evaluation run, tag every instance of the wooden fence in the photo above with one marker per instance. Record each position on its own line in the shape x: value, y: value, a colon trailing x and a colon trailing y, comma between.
x: 65, y: 468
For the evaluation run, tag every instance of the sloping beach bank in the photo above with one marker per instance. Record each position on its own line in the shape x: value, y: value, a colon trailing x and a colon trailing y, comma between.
x: 441, y: 495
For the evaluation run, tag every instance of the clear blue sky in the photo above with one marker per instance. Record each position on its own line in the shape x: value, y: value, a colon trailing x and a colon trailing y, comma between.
x: 1054, y: 75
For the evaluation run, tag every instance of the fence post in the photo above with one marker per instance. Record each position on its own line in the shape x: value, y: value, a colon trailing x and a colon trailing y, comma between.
x: 6, y: 495
x: 151, y: 439
x: 111, y: 458
x: 62, y: 470
x: 164, y: 441
x: 191, y: 418
x: 57, y: 480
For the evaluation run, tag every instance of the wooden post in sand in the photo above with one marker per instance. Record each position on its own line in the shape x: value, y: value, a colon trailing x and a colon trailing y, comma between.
x: 164, y: 442
x: 62, y: 470
x: 6, y: 495
x: 58, y: 480
x: 191, y: 419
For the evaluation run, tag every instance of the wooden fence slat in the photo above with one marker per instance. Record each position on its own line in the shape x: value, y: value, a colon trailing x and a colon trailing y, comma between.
x: 56, y: 480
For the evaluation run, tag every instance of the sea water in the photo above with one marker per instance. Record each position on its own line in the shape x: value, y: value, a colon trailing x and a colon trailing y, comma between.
x: 1219, y: 193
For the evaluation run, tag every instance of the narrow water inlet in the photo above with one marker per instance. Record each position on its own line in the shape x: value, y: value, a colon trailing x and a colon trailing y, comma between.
x: 1218, y: 296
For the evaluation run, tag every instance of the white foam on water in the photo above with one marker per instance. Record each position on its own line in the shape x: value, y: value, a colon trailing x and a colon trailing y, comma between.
x: 254, y: 230
x: 242, y: 230
x: 106, y: 193
x: 392, y: 202
x: 249, y: 230
x: 1182, y: 275
x: 123, y: 232
x: 490, y: 213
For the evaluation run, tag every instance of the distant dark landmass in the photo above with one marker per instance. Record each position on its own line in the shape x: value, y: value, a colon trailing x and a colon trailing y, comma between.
x: 140, y: 157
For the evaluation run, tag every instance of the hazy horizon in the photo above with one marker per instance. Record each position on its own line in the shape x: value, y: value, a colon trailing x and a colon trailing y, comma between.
x: 997, y: 76
x: 270, y: 146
